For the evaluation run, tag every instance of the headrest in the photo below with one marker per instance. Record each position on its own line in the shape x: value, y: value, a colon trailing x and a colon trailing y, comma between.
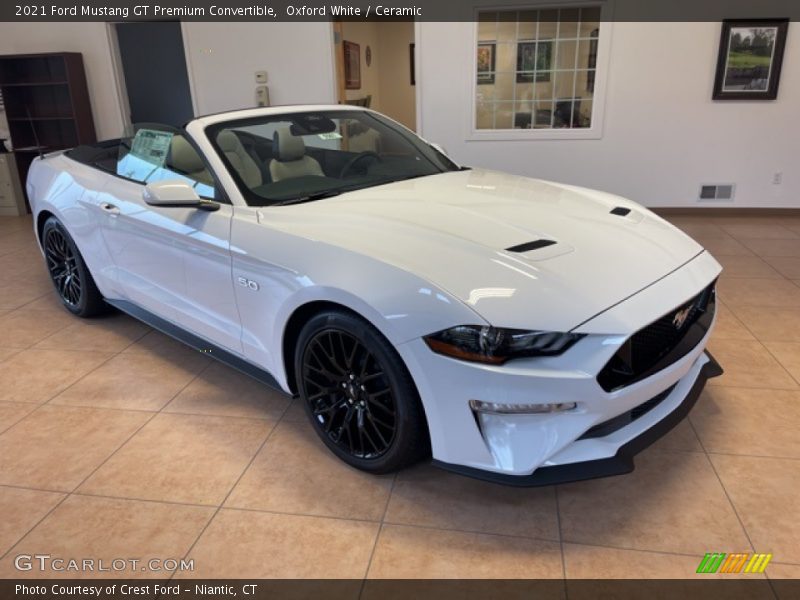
x: 183, y: 156
x: 229, y: 141
x: 287, y: 147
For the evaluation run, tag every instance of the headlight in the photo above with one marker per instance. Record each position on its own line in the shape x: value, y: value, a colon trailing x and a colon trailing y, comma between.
x: 495, y: 345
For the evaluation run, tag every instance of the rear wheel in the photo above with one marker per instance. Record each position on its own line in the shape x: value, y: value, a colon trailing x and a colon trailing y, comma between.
x: 358, y: 394
x: 68, y: 271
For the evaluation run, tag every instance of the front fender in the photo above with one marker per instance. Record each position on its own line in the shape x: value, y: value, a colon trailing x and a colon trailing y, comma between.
x: 290, y: 272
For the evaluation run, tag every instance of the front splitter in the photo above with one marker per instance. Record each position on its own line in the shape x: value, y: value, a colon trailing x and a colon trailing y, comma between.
x: 619, y: 464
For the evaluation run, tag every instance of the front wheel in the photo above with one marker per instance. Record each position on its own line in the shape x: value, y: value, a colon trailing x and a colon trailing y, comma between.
x: 358, y: 394
x: 69, y: 273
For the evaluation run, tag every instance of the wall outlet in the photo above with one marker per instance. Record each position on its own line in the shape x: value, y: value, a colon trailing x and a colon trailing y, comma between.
x: 262, y: 96
x: 261, y: 77
x: 777, y: 178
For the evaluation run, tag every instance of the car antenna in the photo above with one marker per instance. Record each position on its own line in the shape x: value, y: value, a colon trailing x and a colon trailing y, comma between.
x: 33, y: 130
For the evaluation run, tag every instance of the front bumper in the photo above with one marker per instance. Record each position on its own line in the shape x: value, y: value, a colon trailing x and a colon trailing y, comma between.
x: 526, y: 447
x: 619, y: 464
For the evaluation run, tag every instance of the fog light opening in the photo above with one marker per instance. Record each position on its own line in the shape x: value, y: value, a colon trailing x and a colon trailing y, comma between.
x: 498, y: 408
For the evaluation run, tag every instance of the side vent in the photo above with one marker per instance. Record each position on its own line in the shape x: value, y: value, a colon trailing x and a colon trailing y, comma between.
x: 535, y: 245
x: 721, y: 191
x: 620, y: 211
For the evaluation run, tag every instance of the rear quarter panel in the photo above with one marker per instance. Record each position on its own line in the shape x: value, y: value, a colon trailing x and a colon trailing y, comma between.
x: 69, y: 190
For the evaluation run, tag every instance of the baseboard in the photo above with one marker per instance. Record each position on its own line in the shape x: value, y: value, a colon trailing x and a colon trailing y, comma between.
x: 726, y: 211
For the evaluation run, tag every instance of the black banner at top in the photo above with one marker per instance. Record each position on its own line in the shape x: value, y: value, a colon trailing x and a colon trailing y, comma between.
x: 379, y: 10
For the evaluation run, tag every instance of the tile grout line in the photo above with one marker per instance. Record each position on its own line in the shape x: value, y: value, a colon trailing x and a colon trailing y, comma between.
x: 708, y: 456
x: 85, y: 479
x: 61, y: 391
x: 292, y: 514
x: 378, y: 535
x: 780, y: 362
x: 763, y: 345
x: 561, y: 544
x: 724, y: 489
x: 730, y: 501
x: 233, y: 487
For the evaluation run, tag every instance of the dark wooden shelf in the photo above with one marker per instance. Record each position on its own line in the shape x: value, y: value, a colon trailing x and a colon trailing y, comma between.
x: 26, y: 119
x: 47, y: 104
x: 33, y: 83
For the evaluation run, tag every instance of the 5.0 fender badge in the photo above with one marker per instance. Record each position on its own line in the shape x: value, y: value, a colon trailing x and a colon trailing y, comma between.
x: 248, y: 283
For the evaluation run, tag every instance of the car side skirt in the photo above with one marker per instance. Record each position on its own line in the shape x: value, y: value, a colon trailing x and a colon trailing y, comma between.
x: 619, y: 464
x: 198, y: 343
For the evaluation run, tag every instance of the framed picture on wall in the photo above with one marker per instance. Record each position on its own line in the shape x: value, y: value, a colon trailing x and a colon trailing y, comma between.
x: 534, y: 60
x: 352, y: 66
x: 750, y: 58
x: 486, y: 62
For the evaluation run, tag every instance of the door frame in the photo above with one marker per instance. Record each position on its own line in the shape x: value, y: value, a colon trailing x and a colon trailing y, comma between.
x: 337, y: 38
x: 119, y: 73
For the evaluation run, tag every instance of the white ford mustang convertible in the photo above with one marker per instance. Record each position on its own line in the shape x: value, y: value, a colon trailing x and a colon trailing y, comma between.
x: 517, y: 330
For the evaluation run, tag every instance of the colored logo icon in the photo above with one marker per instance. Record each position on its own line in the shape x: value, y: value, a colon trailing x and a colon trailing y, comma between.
x: 719, y: 562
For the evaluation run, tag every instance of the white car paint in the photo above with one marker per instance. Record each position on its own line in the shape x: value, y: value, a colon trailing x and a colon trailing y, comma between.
x: 412, y: 258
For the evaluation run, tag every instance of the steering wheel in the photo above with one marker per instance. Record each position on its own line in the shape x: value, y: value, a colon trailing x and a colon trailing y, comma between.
x: 357, y: 159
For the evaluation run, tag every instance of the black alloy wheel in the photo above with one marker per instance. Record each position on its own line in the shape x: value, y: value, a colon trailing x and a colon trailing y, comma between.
x: 349, y: 394
x: 68, y: 271
x: 358, y: 394
x: 63, y: 266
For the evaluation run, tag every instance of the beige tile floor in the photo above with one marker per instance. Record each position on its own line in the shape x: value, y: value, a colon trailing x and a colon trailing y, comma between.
x: 117, y: 441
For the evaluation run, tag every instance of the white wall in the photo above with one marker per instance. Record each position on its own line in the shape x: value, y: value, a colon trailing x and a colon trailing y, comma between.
x: 222, y: 60
x: 663, y: 135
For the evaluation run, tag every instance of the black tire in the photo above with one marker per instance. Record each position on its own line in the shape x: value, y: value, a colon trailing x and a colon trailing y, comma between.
x: 374, y: 420
x: 68, y: 272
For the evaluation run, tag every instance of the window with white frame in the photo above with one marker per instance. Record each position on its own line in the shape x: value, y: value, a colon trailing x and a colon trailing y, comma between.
x: 536, y: 68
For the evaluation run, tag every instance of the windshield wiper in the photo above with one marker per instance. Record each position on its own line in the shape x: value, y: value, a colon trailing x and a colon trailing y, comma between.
x: 309, y: 197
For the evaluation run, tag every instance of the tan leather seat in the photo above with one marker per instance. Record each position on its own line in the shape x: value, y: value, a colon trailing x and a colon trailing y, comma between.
x: 185, y: 160
x: 290, y: 157
x: 240, y: 160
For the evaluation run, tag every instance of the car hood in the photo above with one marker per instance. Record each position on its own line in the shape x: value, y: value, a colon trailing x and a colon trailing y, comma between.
x: 455, y: 230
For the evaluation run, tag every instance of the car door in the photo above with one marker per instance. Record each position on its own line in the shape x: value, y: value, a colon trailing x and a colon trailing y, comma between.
x: 173, y: 262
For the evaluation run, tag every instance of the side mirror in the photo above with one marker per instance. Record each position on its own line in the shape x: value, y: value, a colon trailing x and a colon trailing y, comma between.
x: 175, y: 194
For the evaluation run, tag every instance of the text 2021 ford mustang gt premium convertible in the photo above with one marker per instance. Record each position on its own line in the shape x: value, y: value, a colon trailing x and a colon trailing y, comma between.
x: 518, y: 330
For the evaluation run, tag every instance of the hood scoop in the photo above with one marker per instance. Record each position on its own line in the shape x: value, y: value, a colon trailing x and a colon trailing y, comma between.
x: 528, y: 246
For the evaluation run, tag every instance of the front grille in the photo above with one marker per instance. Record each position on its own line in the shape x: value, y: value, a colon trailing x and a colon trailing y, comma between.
x: 661, y: 343
x: 608, y: 427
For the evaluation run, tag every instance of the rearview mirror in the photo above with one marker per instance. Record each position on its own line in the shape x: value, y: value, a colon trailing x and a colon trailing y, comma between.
x: 175, y: 194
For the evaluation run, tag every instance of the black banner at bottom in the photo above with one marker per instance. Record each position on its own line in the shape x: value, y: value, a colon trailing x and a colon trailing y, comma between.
x: 391, y: 589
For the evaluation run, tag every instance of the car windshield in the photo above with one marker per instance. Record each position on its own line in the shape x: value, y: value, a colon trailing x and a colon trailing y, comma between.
x: 304, y: 156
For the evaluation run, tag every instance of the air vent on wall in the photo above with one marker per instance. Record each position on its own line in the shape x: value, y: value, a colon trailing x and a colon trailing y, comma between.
x: 717, y: 191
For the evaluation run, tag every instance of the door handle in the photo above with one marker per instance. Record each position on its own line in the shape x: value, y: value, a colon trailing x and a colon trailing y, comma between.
x: 109, y: 208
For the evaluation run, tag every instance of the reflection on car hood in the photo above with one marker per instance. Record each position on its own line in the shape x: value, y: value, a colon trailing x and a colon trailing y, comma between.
x: 455, y: 230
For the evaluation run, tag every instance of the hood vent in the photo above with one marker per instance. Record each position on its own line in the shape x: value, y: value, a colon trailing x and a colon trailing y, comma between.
x: 527, y: 246
x: 620, y: 211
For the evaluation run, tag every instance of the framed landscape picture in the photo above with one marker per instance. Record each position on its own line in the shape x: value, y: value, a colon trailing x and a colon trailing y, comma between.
x: 750, y: 57
x: 352, y: 66
x: 486, y: 62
